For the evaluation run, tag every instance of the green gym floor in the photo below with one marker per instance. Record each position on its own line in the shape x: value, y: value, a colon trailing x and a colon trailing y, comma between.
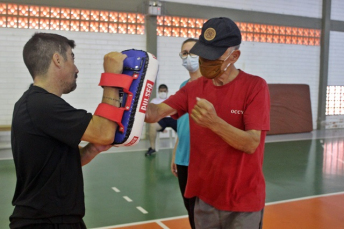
x: 125, y: 189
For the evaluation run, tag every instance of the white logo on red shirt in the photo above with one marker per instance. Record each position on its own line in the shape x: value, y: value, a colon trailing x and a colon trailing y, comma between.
x: 237, y: 112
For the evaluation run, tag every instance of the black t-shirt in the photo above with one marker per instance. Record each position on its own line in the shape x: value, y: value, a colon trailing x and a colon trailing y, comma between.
x: 46, y: 132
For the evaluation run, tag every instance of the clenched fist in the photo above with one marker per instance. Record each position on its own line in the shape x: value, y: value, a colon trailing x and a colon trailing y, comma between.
x: 113, y: 62
x: 204, y: 113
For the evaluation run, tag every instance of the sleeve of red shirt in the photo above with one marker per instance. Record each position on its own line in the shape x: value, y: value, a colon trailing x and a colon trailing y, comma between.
x: 257, y: 112
x: 179, y: 101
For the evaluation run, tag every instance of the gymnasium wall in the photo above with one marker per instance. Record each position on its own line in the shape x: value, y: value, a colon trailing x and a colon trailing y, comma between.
x: 337, y: 10
x: 336, y: 69
x: 89, y: 52
x: 276, y: 63
x: 306, y: 8
x: 336, y: 60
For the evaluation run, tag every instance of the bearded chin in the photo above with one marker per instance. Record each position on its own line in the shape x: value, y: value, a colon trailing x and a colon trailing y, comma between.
x: 73, y: 87
x: 70, y: 89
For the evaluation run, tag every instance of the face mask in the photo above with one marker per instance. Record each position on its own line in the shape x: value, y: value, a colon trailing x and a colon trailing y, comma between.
x: 191, y: 63
x: 162, y: 95
x: 212, y: 68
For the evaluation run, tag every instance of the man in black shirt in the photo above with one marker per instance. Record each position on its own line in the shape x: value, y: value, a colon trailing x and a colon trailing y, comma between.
x: 46, y: 132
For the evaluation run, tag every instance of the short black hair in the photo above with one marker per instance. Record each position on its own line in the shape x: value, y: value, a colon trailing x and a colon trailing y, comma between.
x: 163, y: 86
x: 39, y: 50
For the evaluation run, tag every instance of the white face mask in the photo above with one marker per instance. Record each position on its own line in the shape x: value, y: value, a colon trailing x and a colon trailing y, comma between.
x: 190, y: 63
x: 162, y: 95
x: 225, y: 69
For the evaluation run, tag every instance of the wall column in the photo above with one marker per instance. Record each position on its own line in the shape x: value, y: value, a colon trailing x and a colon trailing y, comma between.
x: 324, y: 62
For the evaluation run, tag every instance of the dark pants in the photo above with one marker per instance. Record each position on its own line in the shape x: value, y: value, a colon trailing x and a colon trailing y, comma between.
x: 188, y: 202
x: 168, y: 122
x: 207, y: 216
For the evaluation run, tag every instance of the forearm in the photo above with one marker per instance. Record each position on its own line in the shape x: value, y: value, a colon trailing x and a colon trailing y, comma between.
x: 111, y: 96
x: 246, y: 141
x: 204, y: 114
x: 155, y: 112
x: 173, y: 164
x: 152, y: 113
x: 106, y: 127
x: 101, y: 130
x: 175, y: 150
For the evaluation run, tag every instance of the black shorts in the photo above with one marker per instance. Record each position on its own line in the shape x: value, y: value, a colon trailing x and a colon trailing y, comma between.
x: 168, y: 122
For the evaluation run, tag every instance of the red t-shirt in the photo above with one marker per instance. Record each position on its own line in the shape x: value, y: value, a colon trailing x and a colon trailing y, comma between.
x: 220, y: 175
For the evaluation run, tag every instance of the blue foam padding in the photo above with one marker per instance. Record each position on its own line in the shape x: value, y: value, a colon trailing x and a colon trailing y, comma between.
x: 136, y: 61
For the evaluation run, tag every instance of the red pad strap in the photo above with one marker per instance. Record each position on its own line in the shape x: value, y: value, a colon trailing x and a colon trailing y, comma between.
x: 119, y: 80
x: 116, y: 80
x: 112, y: 113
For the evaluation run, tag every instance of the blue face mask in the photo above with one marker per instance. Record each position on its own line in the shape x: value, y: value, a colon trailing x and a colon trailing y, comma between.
x: 191, y: 63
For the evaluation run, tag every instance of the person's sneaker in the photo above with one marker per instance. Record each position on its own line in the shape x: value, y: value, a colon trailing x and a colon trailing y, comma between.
x: 150, y: 151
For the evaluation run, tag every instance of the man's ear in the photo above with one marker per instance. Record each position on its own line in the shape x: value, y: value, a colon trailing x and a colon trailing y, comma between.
x: 57, y: 59
x: 235, y: 56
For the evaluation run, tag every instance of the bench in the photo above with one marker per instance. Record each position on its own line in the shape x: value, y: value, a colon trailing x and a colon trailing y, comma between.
x: 5, y: 137
x: 171, y: 136
x: 5, y: 127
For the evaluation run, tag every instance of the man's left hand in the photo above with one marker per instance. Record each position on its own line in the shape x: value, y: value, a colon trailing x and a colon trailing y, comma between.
x: 203, y: 113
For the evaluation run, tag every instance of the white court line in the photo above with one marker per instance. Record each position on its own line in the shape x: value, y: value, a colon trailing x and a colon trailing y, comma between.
x: 298, y: 138
x: 304, y: 198
x: 115, y: 189
x: 6, y: 158
x: 185, y: 216
x: 142, y: 222
x: 162, y: 225
x: 141, y: 209
x: 127, y: 199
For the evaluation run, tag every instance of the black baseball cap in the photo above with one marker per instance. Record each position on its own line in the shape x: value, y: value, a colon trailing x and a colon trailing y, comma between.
x: 218, y: 34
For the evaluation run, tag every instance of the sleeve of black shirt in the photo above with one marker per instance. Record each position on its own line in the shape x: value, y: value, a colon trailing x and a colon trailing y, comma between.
x: 57, y: 119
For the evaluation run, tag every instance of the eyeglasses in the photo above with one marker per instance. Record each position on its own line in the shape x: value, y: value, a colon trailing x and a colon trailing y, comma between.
x: 184, y: 55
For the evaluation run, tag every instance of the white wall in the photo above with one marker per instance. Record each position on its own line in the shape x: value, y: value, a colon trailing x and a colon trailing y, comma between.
x: 14, y: 77
x: 89, y: 52
x: 306, y: 8
x: 283, y: 63
x: 276, y: 63
x: 171, y: 71
x: 337, y: 10
x: 336, y: 59
x: 336, y: 73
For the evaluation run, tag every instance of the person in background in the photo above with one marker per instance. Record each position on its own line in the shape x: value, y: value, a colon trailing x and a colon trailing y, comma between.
x: 181, y: 151
x: 162, y: 123
x: 46, y: 132
x: 230, y: 115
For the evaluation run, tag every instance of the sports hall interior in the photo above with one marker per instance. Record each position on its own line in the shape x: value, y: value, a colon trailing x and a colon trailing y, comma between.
x: 297, y: 46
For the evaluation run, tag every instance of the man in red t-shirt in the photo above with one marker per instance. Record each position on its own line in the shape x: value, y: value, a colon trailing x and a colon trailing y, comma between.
x: 230, y: 115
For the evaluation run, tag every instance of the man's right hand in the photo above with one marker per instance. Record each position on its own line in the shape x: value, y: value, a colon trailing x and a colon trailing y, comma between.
x: 113, y: 62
